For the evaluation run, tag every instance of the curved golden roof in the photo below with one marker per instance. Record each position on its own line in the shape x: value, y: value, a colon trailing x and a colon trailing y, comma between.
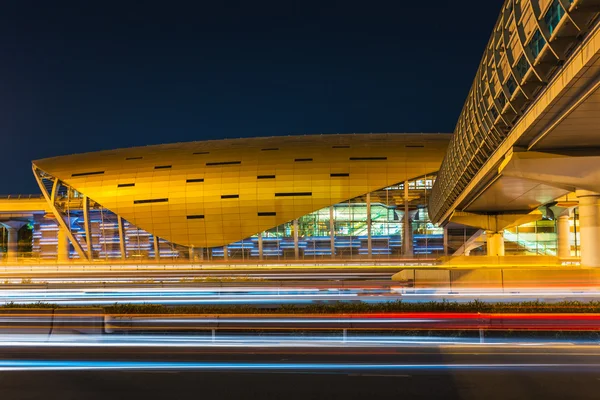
x: 212, y: 193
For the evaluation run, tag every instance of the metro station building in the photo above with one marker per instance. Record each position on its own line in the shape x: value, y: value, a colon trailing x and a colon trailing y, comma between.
x: 520, y: 175
x: 279, y: 198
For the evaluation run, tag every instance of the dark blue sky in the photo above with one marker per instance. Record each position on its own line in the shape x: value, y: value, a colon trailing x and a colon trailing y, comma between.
x: 79, y: 76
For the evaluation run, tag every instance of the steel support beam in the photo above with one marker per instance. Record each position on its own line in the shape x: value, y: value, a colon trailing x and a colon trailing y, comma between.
x: 156, y: 248
x: 369, y: 240
x: 296, y: 248
x: 332, y: 230
x: 87, y: 227
x: 407, y: 240
x: 122, y: 247
x: 60, y: 218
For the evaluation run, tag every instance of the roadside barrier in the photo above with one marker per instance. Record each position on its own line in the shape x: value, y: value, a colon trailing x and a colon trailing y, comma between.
x: 96, y: 321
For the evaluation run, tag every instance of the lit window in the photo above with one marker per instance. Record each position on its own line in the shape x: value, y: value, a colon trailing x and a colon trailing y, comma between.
x: 511, y: 85
x: 522, y: 66
x: 554, y: 15
x: 536, y: 43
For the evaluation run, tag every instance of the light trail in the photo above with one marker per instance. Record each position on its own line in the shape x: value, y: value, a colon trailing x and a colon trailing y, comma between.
x: 269, y: 295
x: 41, y: 365
x: 96, y: 321
x: 189, y: 276
x: 397, y: 343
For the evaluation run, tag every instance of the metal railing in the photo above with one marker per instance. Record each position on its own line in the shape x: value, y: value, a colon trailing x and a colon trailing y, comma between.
x: 21, y: 196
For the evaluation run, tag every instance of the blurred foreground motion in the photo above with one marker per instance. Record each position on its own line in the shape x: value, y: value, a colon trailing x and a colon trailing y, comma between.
x: 462, y: 350
x: 449, y: 266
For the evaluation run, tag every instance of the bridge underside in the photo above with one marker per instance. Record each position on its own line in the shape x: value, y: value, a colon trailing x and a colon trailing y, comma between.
x: 569, y: 126
x: 550, y: 158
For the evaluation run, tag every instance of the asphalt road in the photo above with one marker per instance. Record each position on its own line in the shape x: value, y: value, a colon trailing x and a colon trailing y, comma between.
x: 442, y: 372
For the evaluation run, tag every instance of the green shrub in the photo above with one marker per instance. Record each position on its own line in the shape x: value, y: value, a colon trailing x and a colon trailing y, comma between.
x: 475, y: 306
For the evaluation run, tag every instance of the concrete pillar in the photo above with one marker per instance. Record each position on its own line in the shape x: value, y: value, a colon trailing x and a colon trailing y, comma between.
x: 408, y: 236
x: 12, y: 244
x: 495, y: 243
x: 296, y: 249
x: 369, y: 240
x: 192, y: 253
x: 332, y: 230
x: 225, y: 253
x: 62, y: 251
x: 12, y: 240
x: 407, y: 240
x: 260, y: 246
x: 446, y: 240
x: 563, y: 234
x: 589, y: 227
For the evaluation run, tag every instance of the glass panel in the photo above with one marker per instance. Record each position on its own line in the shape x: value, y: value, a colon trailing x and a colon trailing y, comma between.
x: 536, y: 43
x: 522, y: 66
x: 511, y: 85
x: 554, y: 15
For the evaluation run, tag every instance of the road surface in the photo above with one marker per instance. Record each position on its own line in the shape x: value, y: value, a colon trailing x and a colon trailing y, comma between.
x: 453, y: 371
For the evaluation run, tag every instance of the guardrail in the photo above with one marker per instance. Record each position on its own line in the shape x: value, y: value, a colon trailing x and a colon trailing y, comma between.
x: 95, y: 321
x: 21, y: 196
x: 371, y: 322
x: 31, y: 264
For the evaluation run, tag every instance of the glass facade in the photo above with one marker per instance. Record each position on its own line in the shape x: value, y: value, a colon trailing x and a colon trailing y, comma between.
x: 344, y: 230
x: 536, y: 44
x: 371, y: 226
x: 368, y: 226
x: 536, y: 238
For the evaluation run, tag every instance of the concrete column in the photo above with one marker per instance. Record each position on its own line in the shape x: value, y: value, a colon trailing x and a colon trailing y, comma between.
x: 332, y: 230
x: 407, y: 240
x: 564, y: 234
x: 200, y: 253
x: 2, y: 236
x: 446, y: 240
x: 296, y: 249
x: 408, y: 236
x: 192, y: 253
x: 260, y: 246
x: 369, y: 240
x: 12, y: 245
x: 495, y: 243
x: 12, y: 240
x: 225, y: 253
x: 62, y: 254
x: 589, y: 227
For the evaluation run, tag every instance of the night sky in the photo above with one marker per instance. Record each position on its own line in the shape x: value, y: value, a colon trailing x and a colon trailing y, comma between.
x: 83, y: 76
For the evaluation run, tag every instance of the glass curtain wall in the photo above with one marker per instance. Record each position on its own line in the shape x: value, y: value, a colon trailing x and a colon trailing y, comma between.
x: 342, y: 231
x: 535, y: 238
x: 368, y: 226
